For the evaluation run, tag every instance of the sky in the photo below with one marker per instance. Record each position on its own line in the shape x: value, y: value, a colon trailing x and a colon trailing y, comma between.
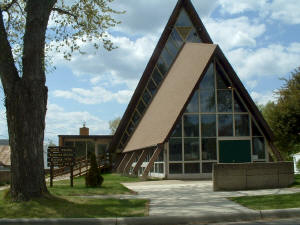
x: 261, y: 40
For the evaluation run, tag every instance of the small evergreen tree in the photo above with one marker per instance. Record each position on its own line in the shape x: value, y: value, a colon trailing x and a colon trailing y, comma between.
x: 93, y: 177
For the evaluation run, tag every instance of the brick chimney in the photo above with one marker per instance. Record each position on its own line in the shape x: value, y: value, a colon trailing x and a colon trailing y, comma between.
x: 84, y: 130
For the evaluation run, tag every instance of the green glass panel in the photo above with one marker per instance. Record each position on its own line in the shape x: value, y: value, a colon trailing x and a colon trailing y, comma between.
x: 208, y: 125
x: 163, y: 68
x: 208, y: 81
x: 135, y: 117
x: 175, y: 168
x: 191, y: 125
x: 172, y: 47
x: 238, y: 106
x: 151, y: 87
x: 193, y: 105
x: 178, y: 130
x: 193, y: 37
x: 183, y: 19
x: 242, y: 127
x: 207, y: 100
x: 222, y: 81
x: 176, y: 38
x: 146, y: 97
x: 192, y: 168
x: 255, y: 130
x: 191, y: 149
x: 167, y: 57
x: 234, y: 151
x: 207, y: 167
x: 175, y: 149
x: 259, y: 147
x: 141, y: 107
x: 225, y: 123
x: 156, y: 76
x: 209, y: 149
x: 224, y: 100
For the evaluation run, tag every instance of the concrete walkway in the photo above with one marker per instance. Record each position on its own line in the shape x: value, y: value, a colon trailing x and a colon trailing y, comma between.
x: 193, y: 198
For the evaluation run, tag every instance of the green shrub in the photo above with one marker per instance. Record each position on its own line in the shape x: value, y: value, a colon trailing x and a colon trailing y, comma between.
x: 93, y: 177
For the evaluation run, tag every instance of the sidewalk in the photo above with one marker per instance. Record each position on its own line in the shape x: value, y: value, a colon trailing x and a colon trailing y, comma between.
x: 162, y: 220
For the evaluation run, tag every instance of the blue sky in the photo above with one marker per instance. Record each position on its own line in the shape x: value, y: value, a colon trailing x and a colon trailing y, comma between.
x: 259, y: 38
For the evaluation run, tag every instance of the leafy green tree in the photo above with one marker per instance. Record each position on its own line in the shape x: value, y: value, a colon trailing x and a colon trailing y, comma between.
x: 26, y: 36
x: 284, y: 116
x: 113, y: 125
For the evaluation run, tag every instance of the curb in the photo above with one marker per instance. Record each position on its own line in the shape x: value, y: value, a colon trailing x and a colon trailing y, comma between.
x: 164, y: 220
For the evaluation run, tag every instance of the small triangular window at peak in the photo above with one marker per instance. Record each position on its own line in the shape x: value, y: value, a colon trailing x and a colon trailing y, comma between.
x: 183, y: 19
x: 184, y: 31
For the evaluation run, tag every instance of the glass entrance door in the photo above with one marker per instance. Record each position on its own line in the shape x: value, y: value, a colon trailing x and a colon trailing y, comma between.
x: 234, y: 151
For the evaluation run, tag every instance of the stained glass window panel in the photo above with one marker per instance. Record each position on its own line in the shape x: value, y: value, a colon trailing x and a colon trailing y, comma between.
x: 238, y: 106
x: 178, y: 130
x: 207, y: 100
x: 151, y: 87
x: 183, y: 20
x: 156, y: 76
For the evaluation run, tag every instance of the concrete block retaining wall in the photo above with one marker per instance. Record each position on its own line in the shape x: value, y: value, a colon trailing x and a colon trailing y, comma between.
x: 246, y: 176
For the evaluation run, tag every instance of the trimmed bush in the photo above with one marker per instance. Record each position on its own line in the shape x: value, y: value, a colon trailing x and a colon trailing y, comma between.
x: 93, y: 177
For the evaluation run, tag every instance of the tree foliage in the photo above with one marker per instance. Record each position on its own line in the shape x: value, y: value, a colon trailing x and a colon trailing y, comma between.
x: 113, y: 125
x: 93, y: 177
x: 283, y: 116
x: 29, y: 31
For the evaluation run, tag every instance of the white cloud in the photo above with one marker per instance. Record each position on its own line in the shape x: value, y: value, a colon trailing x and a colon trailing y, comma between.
x: 273, y: 60
x: 263, y: 98
x: 95, y: 95
x: 234, y: 33
x: 59, y: 121
x: 122, y: 65
x: 240, y: 6
x: 285, y: 11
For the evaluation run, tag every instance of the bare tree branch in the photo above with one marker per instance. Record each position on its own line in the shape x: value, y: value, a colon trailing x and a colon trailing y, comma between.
x: 61, y: 11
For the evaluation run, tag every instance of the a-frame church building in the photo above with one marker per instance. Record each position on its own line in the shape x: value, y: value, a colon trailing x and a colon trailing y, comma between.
x: 190, y: 110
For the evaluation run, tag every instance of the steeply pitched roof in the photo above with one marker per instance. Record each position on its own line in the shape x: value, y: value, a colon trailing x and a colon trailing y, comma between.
x: 203, y: 34
x: 171, y: 96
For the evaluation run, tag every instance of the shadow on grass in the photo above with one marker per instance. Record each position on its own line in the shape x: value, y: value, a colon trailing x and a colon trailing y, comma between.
x: 55, y: 207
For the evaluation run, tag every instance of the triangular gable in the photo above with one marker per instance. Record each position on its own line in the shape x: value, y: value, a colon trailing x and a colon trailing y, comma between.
x: 172, y: 96
x: 199, y: 29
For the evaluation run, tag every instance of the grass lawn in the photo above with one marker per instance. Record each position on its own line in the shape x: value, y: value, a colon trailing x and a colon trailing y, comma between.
x: 297, y: 181
x: 269, y: 201
x: 63, y: 202
x: 111, y: 186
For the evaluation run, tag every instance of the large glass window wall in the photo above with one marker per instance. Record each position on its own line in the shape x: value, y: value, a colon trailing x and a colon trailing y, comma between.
x: 182, y: 32
x: 215, y: 112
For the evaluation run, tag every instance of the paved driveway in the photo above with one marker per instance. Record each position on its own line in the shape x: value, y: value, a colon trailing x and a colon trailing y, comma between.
x: 192, y: 198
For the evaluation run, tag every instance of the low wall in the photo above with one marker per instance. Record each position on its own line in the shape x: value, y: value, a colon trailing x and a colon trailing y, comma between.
x: 4, y: 176
x: 246, y: 176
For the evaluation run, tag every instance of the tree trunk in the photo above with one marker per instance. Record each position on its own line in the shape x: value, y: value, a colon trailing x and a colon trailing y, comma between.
x: 26, y: 110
